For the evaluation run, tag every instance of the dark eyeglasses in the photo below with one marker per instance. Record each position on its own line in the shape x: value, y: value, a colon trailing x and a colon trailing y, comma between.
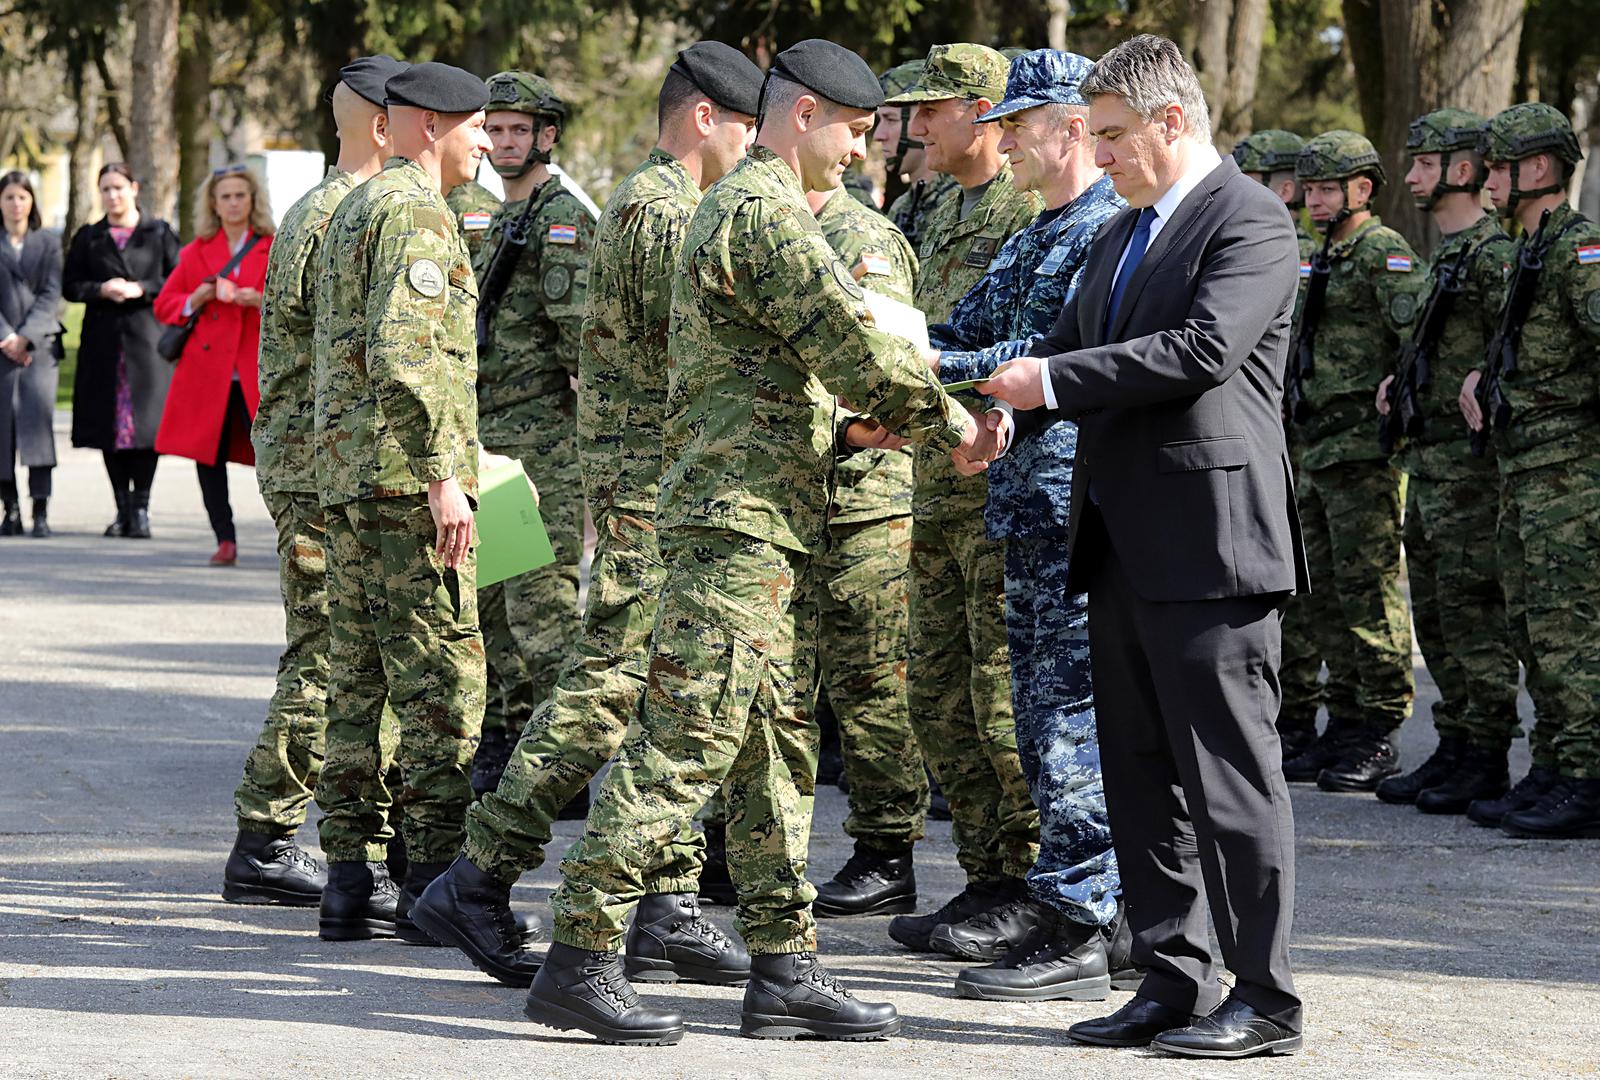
x: 229, y: 170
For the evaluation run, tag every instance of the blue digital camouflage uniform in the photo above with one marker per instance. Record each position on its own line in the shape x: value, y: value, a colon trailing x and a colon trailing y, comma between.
x: 1030, y: 494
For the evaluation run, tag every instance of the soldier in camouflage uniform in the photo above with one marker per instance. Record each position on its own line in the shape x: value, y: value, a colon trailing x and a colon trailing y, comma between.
x: 707, y: 116
x: 527, y: 362
x: 1549, y: 460
x: 1349, y: 491
x: 475, y: 207
x: 865, y: 616
x: 396, y: 465
x: 960, y: 675
x: 1452, y: 497
x: 767, y: 326
x: 1049, y: 945
x: 266, y: 866
x: 904, y: 161
x: 1268, y: 157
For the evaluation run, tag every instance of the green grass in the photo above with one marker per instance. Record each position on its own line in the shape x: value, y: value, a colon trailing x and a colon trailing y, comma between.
x: 72, y: 327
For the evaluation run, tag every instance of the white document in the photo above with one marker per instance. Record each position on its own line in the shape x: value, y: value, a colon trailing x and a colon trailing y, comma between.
x: 902, y: 320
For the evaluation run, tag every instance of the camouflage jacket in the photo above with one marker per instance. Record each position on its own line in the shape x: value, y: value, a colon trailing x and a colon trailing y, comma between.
x: 1031, y: 279
x: 1555, y: 394
x: 525, y: 371
x: 284, y: 428
x: 873, y: 484
x: 622, y: 354
x: 1373, y: 297
x: 767, y: 326
x: 474, y: 205
x: 910, y: 211
x: 1441, y: 451
x: 394, y: 368
x: 955, y: 253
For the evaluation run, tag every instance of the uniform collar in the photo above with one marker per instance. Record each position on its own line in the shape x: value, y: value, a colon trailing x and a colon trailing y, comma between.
x: 1344, y: 247
x: 764, y: 160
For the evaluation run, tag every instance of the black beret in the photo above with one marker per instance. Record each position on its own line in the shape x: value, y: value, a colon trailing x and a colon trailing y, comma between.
x: 832, y: 71
x: 367, y: 76
x: 438, y: 88
x: 723, y: 74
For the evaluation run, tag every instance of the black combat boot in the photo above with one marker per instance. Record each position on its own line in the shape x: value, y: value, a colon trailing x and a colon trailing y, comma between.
x: 396, y: 859
x: 874, y: 881
x: 791, y: 994
x: 1569, y: 811
x: 489, y: 763
x: 138, y: 516
x: 1325, y: 750
x: 11, y: 519
x: 1524, y: 794
x: 938, y: 805
x: 468, y: 909
x: 989, y: 935
x: 358, y: 902
x: 1403, y: 790
x: 670, y: 941
x: 267, y: 869
x: 913, y: 931
x: 716, y: 886
x: 589, y: 991
x: 1367, y: 763
x: 1480, y: 773
x: 41, y: 519
x: 419, y: 875
x: 1119, y: 952
x: 1295, y: 741
x: 1059, y: 960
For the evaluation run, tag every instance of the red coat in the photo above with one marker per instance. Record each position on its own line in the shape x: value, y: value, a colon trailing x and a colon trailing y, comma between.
x: 225, y: 340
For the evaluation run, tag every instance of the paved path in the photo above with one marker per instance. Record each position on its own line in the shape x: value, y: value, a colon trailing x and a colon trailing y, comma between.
x: 132, y: 680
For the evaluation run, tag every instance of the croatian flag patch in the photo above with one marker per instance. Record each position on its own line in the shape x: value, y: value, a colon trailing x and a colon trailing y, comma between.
x: 1305, y: 269
x: 563, y: 234
x: 874, y: 263
x: 1400, y: 264
x: 1589, y: 254
x: 475, y: 220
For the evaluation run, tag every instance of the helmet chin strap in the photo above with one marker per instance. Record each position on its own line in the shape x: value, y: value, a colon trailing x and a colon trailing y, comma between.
x: 535, y: 157
x: 906, y: 141
x: 1517, y: 194
x: 1344, y: 212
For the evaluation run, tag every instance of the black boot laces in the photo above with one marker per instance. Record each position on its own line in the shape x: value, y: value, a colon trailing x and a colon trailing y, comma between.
x: 605, y: 971
x: 859, y: 867
x: 697, y: 924
x: 993, y: 916
x: 818, y: 976
x: 296, y: 858
x: 505, y: 926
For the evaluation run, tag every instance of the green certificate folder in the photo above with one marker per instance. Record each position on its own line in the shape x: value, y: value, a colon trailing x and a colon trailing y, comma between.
x: 958, y: 387
x: 511, y: 536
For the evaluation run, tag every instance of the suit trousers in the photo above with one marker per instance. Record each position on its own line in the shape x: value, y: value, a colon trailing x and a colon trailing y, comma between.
x: 1187, y: 696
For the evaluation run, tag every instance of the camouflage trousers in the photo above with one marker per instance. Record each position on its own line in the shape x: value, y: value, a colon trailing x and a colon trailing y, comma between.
x: 580, y: 726
x: 1459, y: 607
x: 960, y: 683
x: 1355, y: 505
x: 531, y: 622
x: 865, y: 627
x: 1303, y: 691
x: 728, y: 699
x: 402, y: 628
x: 1052, y: 696
x: 1512, y: 557
x: 1556, y: 511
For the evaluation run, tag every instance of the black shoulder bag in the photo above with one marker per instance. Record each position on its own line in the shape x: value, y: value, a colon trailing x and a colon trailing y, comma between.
x: 175, y: 338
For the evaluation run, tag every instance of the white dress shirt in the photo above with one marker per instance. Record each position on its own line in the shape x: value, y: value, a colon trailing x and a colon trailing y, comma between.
x: 1202, y: 159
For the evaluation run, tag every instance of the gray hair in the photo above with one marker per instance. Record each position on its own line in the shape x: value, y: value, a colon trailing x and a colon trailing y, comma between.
x: 1149, y: 73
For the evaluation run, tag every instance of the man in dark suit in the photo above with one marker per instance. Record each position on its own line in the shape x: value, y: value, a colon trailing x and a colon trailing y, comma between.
x: 1171, y: 359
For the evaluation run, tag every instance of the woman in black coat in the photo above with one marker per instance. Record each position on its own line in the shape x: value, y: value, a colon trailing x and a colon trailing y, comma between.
x: 30, y: 349
x: 116, y: 267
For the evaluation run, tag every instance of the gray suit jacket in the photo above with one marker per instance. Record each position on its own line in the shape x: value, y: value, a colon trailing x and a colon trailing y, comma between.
x: 1177, y: 407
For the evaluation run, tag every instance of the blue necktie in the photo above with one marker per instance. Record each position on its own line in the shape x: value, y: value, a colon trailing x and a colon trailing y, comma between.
x: 1136, y: 249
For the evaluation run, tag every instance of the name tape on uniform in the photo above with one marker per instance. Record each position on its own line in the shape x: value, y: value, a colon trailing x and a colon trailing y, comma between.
x: 563, y: 234
x: 1400, y: 264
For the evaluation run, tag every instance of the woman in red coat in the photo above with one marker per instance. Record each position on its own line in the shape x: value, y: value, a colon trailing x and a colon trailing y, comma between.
x: 214, y: 393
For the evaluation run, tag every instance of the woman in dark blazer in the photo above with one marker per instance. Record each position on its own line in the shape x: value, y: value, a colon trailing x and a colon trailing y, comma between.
x: 116, y: 267
x: 30, y: 349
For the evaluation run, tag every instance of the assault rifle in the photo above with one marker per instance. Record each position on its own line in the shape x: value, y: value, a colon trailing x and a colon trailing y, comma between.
x: 1502, y: 354
x: 1416, y: 359
x: 1302, y: 359
x: 502, y: 264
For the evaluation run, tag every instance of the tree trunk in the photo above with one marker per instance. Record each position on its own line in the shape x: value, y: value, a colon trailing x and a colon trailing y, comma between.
x: 80, y: 154
x: 113, y: 100
x: 1059, y: 14
x: 1478, y: 62
x: 1212, y: 18
x: 152, y: 127
x: 192, y: 114
x: 1237, y: 111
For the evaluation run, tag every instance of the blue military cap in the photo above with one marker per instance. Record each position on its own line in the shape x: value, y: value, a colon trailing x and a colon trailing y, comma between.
x: 1041, y: 77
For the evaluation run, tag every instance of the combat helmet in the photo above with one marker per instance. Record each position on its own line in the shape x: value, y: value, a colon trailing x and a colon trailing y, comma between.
x: 1268, y: 151
x: 897, y: 80
x: 525, y: 92
x: 1446, y: 132
x: 1339, y: 155
x: 1523, y: 131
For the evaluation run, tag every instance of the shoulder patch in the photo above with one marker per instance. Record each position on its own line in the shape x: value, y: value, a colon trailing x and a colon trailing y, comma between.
x: 1591, y: 308
x: 1589, y: 254
x: 475, y: 220
x: 873, y: 262
x: 557, y: 283
x: 426, y: 277
x: 1403, y: 307
x: 1398, y: 264
x: 562, y: 234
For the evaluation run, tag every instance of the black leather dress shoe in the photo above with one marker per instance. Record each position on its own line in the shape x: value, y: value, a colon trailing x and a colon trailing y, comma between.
x: 913, y: 931
x: 1524, y: 793
x: 791, y: 994
x: 1480, y: 773
x: 874, y: 881
x: 1568, y: 811
x: 1403, y: 790
x: 267, y: 869
x: 358, y: 902
x: 1059, y: 961
x: 1365, y: 765
x: 669, y: 940
x: 1233, y: 1030
x: 1135, y: 1024
x: 586, y: 990
x: 991, y: 934
x: 467, y: 909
